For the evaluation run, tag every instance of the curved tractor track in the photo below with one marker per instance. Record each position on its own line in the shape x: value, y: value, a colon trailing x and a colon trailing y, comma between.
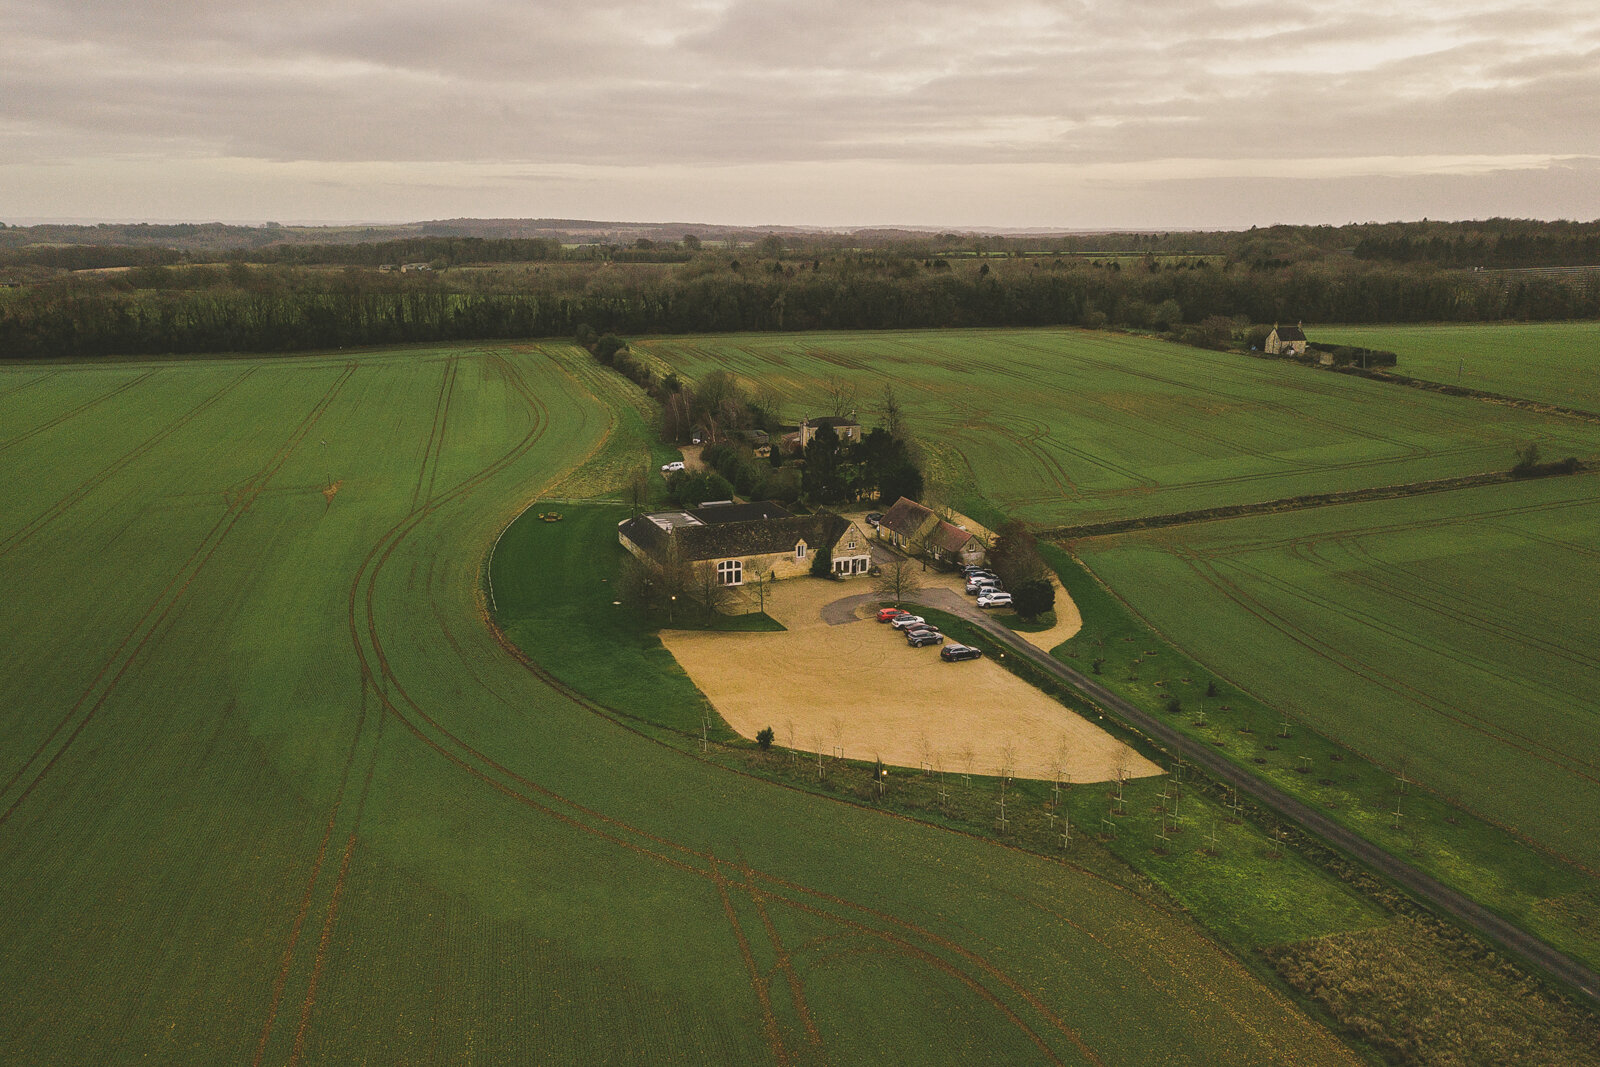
x: 750, y: 898
x: 744, y: 890
x: 994, y: 986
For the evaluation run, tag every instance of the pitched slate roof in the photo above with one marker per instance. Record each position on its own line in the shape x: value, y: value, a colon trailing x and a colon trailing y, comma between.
x: 905, y: 518
x: 753, y: 537
x: 948, y: 537
x: 831, y: 420
x: 1290, y: 333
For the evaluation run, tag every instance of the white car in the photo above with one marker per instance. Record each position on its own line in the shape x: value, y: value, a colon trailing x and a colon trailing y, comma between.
x: 675, y: 465
x: 994, y: 600
x: 907, y: 622
x: 978, y: 585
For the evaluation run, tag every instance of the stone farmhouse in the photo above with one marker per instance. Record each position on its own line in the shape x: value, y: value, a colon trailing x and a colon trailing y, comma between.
x: 846, y: 426
x: 742, y: 540
x: 909, y: 525
x: 1286, y: 341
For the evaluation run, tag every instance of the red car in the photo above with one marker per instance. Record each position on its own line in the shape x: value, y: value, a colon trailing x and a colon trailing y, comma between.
x: 888, y: 614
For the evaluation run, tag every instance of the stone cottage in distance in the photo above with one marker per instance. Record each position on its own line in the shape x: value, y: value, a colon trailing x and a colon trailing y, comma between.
x: 1286, y: 340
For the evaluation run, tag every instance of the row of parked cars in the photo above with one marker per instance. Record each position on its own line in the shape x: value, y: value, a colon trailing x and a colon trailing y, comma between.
x: 919, y: 633
x: 987, y: 587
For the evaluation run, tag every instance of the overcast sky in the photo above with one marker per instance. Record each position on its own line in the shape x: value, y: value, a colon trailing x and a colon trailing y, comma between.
x: 1150, y: 113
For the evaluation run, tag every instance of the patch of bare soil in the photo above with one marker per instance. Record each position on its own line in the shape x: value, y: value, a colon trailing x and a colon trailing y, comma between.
x: 860, y: 688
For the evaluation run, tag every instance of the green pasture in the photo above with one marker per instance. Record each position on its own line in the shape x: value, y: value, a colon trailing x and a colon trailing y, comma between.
x: 272, y: 792
x: 1551, y: 362
x: 1448, y: 638
x: 1062, y: 426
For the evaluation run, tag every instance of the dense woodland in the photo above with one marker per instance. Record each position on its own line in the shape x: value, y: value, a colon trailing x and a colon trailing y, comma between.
x: 69, y: 297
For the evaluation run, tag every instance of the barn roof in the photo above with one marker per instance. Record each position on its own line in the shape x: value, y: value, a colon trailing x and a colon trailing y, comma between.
x: 948, y: 537
x: 728, y: 539
x: 1291, y: 333
x: 905, y: 518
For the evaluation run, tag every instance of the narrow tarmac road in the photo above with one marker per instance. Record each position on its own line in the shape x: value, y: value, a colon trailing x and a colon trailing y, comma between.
x: 1513, y: 938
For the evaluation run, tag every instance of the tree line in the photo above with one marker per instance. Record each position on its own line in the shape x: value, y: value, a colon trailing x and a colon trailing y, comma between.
x: 286, y: 309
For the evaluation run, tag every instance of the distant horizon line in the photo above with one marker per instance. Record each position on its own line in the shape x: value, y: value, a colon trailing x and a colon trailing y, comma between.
x: 774, y: 227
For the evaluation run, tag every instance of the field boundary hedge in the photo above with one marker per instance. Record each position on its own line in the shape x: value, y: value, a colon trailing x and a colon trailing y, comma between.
x: 1296, y: 503
x: 1538, y: 407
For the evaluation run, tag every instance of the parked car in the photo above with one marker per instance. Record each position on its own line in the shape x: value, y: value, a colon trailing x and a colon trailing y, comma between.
x: 890, y: 614
x: 918, y: 638
x: 951, y: 653
x: 978, y: 585
x: 907, y: 621
x: 969, y: 569
x: 675, y: 465
x: 994, y: 600
x: 874, y: 517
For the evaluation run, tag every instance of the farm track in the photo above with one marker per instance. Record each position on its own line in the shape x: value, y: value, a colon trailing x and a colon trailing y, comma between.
x: 73, y: 413
x: 151, y: 622
x: 1423, y: 886
x: 84, y: 488
x: 909, y: 940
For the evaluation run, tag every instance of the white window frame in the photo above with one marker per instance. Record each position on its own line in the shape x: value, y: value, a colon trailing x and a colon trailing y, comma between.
x: 799, y: 551
x: 730, y: 572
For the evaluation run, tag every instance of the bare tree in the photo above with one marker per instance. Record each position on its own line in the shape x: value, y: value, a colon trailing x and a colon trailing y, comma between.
x: 1124, y: 764
x: 708, y: 590
x: 890, y: 414
x: 758, y: 572
x: 637, y: 492
x: 841, y: 395
x: 897, y: 580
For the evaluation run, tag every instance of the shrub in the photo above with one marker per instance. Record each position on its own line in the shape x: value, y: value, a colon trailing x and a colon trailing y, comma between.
x: 1033, y: 598
x: 764, y: 739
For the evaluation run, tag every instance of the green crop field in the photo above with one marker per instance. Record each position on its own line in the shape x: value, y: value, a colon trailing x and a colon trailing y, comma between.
x: 1551, y: 362
x: 273, y: 792
x: 1069, y: 426
x: 1452, y: 634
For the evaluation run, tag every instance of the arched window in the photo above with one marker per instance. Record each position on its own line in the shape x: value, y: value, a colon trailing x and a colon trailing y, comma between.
x: 730, y: 572
x: 799, y: 550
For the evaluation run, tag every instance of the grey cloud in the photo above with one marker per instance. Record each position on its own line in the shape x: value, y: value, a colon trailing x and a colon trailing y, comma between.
x: 635, y: 82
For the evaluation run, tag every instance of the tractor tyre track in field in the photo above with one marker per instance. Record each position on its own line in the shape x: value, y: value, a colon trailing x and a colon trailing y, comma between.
x: 1448, y: 601
x: 783, y: 959
x: 395, y: 700
x: 1230, y: 590
x: 29, y: 384
x: 761, y: 985
x: 305, y: 902
x: 365, y: 571
x: 157, y: 613
x: 1319, y: 825
x: 72, y: 413
x: 94, y: 481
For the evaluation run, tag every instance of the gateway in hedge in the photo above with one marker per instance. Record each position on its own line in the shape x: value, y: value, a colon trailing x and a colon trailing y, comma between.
x: 746, y: 539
